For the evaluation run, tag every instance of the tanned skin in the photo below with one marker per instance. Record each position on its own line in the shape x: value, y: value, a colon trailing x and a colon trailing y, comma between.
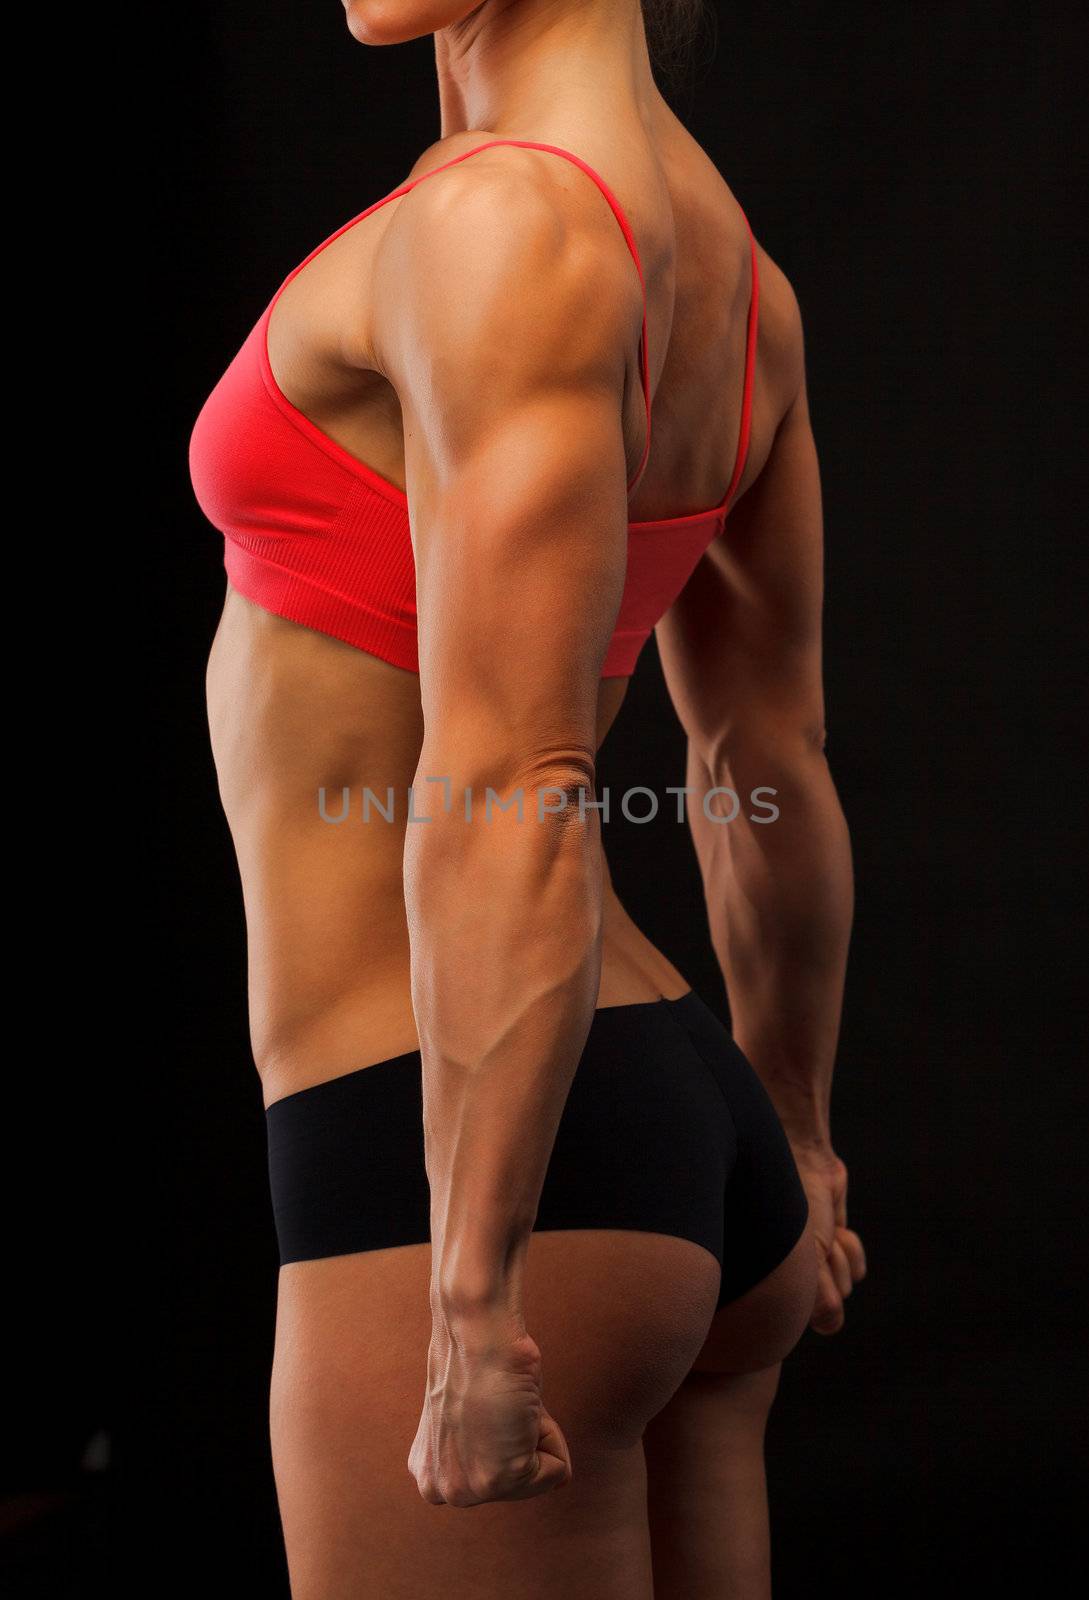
x: 741, y: 650
x: 476, y: 342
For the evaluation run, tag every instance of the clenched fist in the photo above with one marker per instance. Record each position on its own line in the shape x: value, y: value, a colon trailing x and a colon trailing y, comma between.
x: 840, y: 1257
x: 484, y: 1433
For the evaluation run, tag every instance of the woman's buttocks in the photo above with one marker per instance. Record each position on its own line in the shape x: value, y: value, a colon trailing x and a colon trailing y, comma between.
x: 315, y: 745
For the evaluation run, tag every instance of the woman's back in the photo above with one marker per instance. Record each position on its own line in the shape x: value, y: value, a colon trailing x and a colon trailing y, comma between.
x: 314, y: 737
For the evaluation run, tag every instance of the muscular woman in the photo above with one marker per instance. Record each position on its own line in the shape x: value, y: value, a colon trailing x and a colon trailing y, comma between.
x: 546, y: 1229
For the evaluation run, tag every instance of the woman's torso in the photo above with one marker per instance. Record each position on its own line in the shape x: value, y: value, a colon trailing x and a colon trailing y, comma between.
x: 294, y: 712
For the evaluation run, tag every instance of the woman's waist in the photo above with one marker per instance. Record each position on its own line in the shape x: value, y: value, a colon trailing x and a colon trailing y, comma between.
x: 331, y: 993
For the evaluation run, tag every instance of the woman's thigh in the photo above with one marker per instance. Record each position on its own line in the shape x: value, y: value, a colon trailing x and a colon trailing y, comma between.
x: 620, y: 1317
x: 704, y: 1451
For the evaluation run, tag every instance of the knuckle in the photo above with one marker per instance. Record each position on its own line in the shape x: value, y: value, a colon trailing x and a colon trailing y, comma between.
x: 486, y: 1484
x: 462, y: 1489
x: 828, y: 1318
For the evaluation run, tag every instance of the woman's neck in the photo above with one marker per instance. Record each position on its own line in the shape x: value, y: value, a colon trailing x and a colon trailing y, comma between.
x: 517, y: 65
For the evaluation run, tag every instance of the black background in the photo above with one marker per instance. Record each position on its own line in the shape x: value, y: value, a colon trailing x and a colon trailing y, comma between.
x: 912, y: 168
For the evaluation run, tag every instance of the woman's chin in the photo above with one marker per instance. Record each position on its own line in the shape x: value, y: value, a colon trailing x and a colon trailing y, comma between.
x: 395, y: 21
x: 375, y: 21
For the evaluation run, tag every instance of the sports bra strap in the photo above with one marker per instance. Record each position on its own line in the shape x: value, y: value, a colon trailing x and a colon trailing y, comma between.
x: 750, y: 369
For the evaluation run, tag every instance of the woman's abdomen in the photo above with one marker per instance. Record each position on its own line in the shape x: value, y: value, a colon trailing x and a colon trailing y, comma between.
x: 304, y: 730
x: 315, y: 745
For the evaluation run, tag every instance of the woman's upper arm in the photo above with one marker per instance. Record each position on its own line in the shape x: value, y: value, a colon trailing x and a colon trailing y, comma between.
x: 741, y: 646
x: 508, y: 347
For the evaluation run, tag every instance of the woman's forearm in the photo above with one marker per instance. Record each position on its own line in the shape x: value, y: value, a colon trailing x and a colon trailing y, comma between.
x: 504, y: 911
x: 780, y: 900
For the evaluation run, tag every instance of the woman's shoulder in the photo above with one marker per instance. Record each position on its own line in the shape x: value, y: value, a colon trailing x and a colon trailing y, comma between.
x: 505, y: 240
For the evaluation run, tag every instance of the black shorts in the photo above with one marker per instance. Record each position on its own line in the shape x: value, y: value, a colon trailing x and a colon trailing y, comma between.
x: 667, y: 1129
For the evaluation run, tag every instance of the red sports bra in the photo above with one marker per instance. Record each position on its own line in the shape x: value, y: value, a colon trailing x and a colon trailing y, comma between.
x: 316, y: 536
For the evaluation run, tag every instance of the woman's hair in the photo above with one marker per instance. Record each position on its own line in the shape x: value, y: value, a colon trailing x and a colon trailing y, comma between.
x: 672, y: 28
